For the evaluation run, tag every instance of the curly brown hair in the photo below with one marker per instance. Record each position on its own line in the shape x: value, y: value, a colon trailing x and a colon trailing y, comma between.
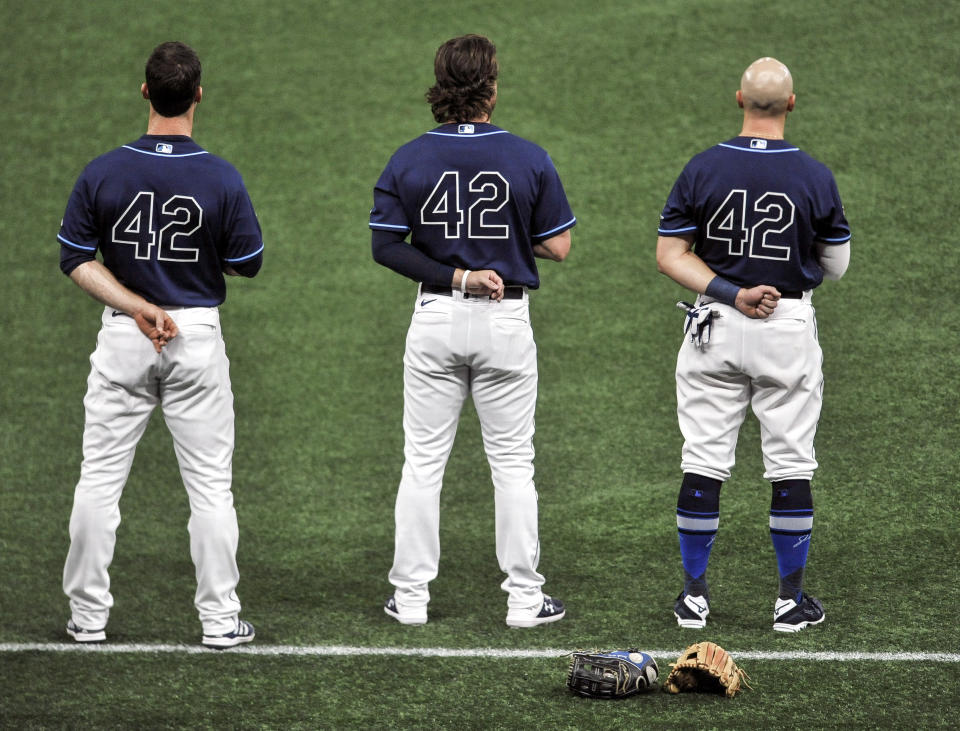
x: 466, y: 70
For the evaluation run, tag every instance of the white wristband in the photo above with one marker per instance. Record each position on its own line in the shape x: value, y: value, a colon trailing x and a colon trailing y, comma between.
x: 463, y: 281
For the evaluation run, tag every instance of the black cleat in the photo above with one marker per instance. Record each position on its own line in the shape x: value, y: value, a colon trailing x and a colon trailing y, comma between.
x: 788, y: 616
x: 691, y: 611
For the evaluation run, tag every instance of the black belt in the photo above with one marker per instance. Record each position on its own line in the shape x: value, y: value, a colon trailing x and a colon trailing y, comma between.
x: 514, y: 292
x: 791, y: 295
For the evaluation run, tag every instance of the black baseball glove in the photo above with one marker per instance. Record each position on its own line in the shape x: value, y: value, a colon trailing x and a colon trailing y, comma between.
x: 616, y: 674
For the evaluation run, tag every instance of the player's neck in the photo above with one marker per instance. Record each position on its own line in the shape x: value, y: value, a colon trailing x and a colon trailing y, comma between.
x: 769, y: 128
x: 170, y: 126
x: 484, y: 119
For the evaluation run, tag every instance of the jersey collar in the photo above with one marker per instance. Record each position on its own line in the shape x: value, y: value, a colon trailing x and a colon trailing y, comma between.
x: 759, y: 144
x: 467, y: 130
x: 166, y: 146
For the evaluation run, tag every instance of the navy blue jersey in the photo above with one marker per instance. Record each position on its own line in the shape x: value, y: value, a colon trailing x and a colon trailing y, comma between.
x: 473, y: 196
x: 755, y: 208
x: 167, y: 217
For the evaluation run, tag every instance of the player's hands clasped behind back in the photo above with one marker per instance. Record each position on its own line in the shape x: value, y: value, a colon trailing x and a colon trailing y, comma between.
x: 758, y: 302
x: 157, y: 325
x: 485, y: 281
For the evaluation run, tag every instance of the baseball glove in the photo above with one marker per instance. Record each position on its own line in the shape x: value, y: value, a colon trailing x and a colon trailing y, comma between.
x: 706, y: 667
x: 615, y: 674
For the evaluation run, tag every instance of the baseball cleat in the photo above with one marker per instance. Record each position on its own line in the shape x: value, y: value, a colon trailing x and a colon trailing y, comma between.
x: 243, y: 633
x: 85, y: 635
x: 691, y: 611
x: 788, y: 616
x: 551, y: 610
x: 405, y: 616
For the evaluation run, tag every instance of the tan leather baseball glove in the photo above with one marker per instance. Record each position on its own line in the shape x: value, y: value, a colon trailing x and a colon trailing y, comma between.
x: 707, y: 668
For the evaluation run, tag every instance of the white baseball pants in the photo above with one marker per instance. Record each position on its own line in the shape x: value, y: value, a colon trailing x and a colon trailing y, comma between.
x: 772, y: 365
x: 456, y: 347
x: 190, y: 381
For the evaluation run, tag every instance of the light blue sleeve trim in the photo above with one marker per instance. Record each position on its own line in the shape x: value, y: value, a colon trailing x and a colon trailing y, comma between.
x: 835, y: 241
x: 244, y: 258
x: 389, y: 226
x: 669, y: 231
x: 75, y: 246
x: 561, y: 227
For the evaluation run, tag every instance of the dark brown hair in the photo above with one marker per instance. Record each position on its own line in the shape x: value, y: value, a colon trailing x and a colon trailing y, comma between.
x: 173, y: 77
x: 466, y: 70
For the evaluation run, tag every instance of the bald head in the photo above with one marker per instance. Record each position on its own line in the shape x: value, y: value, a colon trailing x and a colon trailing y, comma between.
x: 766, y: 88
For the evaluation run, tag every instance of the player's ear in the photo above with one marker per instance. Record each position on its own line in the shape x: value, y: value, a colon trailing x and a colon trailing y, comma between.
x: 791, y: 102
x: 199, y: 95
x: 739, y: 98
x: 143, y: 91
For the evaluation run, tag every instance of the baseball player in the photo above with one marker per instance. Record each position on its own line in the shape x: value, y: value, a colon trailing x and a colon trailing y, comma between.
x: 170, y: 220
x: 753, y: 225
x: 478, y: 204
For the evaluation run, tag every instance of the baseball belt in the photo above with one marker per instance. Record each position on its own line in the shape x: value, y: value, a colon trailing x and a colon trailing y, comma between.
x: 514, y: 292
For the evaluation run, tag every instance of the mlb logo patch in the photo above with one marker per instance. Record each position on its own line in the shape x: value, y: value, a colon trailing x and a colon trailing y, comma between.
x: 465, y: 129
x: 165, y: 148
x: 758, y: 144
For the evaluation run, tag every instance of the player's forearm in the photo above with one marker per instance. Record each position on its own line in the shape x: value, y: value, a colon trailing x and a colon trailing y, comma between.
x: 676, y: 259
x: 97, y: 281
x: 555, y: 248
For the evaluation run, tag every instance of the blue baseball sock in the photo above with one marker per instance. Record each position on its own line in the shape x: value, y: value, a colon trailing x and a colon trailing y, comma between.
x: 698, y: 519
x: 791, y: 524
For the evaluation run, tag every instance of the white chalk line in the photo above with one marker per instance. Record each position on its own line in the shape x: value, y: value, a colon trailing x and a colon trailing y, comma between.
x: 350, y: 651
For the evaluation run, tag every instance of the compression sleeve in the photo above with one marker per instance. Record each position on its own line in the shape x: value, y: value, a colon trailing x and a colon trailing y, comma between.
x: 392, y: 251
x: 833, y: 258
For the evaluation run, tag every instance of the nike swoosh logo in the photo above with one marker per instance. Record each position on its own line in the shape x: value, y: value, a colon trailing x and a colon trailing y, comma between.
x: 701, y: 608
x: 424, y: 303
x: 780, y: 607
x: 117, y: 313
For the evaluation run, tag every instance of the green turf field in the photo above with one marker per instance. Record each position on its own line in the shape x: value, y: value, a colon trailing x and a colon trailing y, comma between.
x: 309, y: 100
